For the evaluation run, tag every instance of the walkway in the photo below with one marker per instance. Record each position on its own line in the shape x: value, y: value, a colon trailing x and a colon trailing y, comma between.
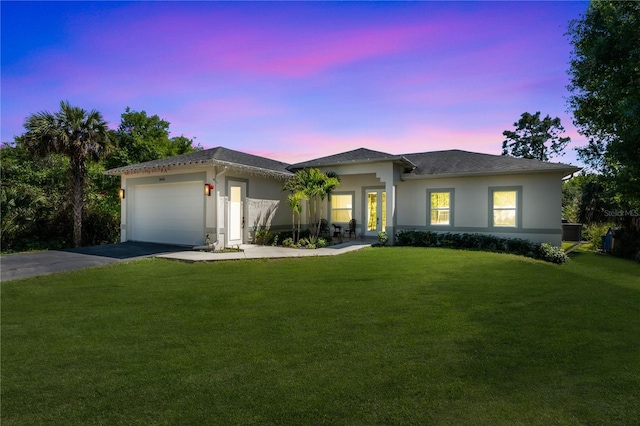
x: 260, y: 252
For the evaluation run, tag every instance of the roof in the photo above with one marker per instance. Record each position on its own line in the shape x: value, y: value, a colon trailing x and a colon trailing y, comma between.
x: 215, y: 156
x: 450, y: 163
x: 357, y: 156
x: 464, y: 163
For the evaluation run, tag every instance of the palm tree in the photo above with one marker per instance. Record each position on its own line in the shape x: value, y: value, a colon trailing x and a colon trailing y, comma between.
x: 314, y: 186
x: 76, y: 133
x: 325, y: 185
x: 294, y: 200
x: 295, y: 185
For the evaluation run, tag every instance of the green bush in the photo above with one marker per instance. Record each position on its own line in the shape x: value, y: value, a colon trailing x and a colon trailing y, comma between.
x: 263, y: 237
x: 282, y: 236
x: 480, y: 242
x: 288, y: 242
x: 551, y: 253
x: 593, y: 232
x: 383, y: 237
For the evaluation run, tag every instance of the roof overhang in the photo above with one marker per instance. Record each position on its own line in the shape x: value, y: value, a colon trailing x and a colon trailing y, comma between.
x: 145, y: 168
x: 564, y: 171
x: 399, y: 159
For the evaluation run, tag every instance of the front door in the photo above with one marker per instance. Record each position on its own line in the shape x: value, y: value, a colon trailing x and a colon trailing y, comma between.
x: 376, y: 212
x: 236, y: 214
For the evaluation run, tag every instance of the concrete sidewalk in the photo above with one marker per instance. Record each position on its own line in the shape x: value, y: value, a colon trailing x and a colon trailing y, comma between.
x: 263, y: 252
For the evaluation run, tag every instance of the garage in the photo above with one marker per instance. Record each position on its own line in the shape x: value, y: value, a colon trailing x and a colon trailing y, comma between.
x: 171, y: 213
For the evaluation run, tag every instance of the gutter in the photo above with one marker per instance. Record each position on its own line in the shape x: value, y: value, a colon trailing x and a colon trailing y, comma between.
x: 412, y: 176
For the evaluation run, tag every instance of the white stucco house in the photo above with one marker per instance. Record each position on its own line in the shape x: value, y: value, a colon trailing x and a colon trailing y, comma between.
x: 227, y: 194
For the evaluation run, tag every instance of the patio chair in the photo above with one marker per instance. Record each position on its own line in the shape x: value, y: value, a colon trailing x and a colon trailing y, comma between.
x: 351, y: 228
x: 324, y: 227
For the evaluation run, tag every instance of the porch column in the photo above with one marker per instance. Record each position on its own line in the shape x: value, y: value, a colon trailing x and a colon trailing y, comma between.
x: 387, y: 176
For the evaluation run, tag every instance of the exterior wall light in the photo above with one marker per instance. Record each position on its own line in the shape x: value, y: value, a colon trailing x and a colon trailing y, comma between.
x: 122, y: 193
x: 208, y: 188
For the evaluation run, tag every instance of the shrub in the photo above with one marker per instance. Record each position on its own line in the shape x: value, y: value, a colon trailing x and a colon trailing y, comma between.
x: 282, y: 236
x: 383, y: 237
x: 552, y: 253
x: 520, y: 246
x: 417, y: 238
x: 288, y: 242
x: 593, y: 232
x: 481, y: 242
x: 263, y: 237
x: 322, y: 243
x: 305, y: 233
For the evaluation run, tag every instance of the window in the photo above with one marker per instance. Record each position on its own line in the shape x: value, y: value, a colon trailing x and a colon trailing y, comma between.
x: 505, y: 207
x: 341, y: 208
x: 440, y: 208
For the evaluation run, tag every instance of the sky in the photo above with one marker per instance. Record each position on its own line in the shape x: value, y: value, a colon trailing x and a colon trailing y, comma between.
x: 294, y: 81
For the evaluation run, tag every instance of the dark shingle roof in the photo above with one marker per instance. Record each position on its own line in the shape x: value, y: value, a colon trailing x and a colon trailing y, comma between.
x: 219, y: 155
x: 419, y: 165
x: 463, y: 163
x: 360, y: 155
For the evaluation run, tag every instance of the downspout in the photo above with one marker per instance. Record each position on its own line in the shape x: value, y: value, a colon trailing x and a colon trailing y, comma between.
x: 216, y: 174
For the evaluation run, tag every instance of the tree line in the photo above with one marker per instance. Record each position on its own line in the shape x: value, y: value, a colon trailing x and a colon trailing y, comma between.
x: 54, y: 193
x: 605, y: 102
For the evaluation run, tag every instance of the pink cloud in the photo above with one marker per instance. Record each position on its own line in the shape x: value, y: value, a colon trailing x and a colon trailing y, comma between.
x: 177, y: 39
x: 314, y: 55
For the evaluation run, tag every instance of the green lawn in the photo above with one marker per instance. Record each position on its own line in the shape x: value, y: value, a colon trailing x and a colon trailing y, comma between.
x: 381, y: 336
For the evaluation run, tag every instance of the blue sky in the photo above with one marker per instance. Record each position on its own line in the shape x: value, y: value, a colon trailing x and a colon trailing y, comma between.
x: 294, y: 81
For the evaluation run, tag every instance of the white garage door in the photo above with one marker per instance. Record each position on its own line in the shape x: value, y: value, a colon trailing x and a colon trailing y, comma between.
x: 170, y: 213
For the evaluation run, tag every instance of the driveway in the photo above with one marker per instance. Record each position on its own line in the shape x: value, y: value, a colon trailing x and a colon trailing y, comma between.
x: 24, y: 265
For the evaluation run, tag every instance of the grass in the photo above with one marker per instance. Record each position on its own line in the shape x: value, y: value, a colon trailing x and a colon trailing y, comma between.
x: 380, y: 336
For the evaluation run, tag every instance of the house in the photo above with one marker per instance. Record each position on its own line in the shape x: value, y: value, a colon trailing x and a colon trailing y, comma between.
x: 228, y: 194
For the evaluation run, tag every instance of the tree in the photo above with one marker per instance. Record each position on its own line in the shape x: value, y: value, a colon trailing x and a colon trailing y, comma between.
x: 535, y: 138
x: 33, y: 207
x: 75, y: 133
x: 314, y: 186
x: 294, y: 200
x: 141, y: 138
x: 605, y: 88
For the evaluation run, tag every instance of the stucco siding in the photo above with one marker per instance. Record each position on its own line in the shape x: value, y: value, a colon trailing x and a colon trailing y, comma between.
x: 541, y: 205
x: 258, y: 188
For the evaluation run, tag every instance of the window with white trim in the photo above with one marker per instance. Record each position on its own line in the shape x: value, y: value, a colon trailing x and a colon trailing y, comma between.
x: 440, y: 207
x: 505, y: 208
x: 341, y: 208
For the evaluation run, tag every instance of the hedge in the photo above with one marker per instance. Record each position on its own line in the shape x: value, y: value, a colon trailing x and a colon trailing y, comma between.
x: 491, y: 243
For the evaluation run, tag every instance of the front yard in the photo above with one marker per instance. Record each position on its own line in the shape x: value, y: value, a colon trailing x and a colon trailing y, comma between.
x: 381, y: 336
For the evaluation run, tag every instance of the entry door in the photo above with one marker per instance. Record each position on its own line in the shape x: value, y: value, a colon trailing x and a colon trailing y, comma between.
x: 236, y: 213
x: 376, y: 212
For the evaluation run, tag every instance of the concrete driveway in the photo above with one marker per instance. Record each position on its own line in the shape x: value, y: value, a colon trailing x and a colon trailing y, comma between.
x: 24, y: 265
